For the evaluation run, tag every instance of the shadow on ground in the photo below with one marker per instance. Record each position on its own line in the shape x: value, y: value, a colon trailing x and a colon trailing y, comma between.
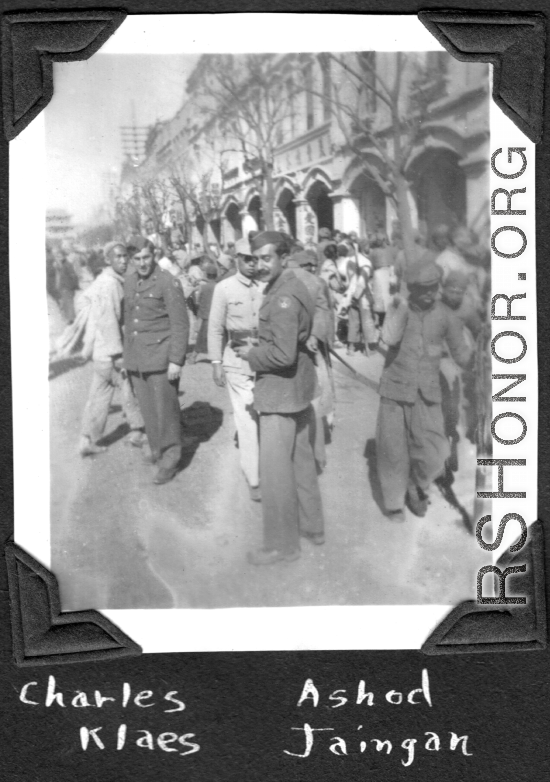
x: 200, y: 422
x: 370, y: 456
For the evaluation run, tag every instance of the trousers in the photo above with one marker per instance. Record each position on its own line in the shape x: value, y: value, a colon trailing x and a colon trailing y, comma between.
x: 291, y: 499
x: 411, y: 447
x: 159, y: 405
x: 360, y: 321
x: 104, y: 381
x: 241, y: 394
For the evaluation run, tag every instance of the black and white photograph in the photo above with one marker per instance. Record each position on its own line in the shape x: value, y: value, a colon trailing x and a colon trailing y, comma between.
x: 268, y: 287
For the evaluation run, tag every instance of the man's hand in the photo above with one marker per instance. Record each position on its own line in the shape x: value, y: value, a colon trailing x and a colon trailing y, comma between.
x: 312, y: 344
x: 218, y: 375
x: 397, y: 301
x: 174, y: 371
x: 241, y: 351
x: 118, y: 362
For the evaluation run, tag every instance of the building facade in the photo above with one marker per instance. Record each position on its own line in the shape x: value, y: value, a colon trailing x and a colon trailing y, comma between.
x: 319, y: 177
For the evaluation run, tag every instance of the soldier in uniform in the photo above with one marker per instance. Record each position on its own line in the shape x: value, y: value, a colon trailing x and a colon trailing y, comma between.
x: 411, y: 445
x: 285, y: 386
x: 155, y: 344
x: 234, y: 317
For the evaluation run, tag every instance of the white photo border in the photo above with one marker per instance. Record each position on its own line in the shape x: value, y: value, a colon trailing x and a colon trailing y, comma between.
x: 247, y: 629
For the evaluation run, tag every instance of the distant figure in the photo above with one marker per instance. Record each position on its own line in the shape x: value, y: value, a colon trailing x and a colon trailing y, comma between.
x: 65, y: 283
x: 204, y: 303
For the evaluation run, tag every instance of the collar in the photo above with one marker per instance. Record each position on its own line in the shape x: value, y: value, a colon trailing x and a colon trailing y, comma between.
x: 111, y: 273
x: 151, y: 276
x: 420, y: 310
x: 245, y: 280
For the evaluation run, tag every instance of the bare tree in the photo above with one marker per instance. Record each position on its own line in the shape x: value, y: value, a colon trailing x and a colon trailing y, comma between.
x: 383, y: 140
x: 155, y: 201
x: 247, y: 98
x: 196, y: 182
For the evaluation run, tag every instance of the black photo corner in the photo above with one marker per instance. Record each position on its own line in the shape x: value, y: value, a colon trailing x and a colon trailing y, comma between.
x: 482, y: 673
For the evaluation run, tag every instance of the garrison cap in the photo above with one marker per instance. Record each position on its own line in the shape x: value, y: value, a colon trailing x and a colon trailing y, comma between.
x: 423, y: 274
x: 139, y: 242
x: 267, y: 237
x: 242, y: 247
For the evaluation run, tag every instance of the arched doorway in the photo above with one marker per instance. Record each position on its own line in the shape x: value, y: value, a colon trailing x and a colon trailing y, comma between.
x: 371, y: 204
x: 233, y: 223
x: 286, y: 204
x: 321, y: 203
x: 439, y: 185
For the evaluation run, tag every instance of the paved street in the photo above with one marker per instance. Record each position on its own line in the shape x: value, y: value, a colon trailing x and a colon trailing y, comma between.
x: 119, y: 541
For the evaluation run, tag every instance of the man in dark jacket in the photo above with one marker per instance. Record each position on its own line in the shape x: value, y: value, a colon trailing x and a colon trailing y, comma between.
x: 411, y: 446
x: 155, y: 342
x: 285, y: 386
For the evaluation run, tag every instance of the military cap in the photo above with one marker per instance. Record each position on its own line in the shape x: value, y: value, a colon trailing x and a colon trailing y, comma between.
x: 423, y: 274
x: 267, y: 237
x: 325, y: 233
x: 242, y: 247
x: 139, y: 242
x: 456, y: 279
x: 225, y: 261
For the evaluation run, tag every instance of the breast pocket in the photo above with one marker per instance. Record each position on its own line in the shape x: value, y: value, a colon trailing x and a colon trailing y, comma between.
x: 152, y: 304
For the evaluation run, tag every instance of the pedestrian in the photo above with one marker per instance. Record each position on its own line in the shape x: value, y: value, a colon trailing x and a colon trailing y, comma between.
x: 103, y: 344
x: 384, y: 277
x: 359, y: 302
x: 458, y: 386
x: 65, y: 284
x: 234, y: 319
x: 226, y: 267
x: 167, y: 261
x: 411, y: 445
x: 204, y: 303
x: 155, y: 344
x: 284, y: 389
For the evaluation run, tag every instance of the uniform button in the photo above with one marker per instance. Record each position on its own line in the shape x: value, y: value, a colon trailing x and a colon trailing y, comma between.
x: 136, y: 320
x: 135, y: 333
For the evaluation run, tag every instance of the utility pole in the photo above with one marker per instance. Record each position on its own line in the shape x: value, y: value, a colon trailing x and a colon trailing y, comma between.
x: 133, y: 138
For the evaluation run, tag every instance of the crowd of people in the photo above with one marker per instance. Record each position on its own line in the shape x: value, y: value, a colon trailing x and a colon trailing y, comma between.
x: 271, y: 314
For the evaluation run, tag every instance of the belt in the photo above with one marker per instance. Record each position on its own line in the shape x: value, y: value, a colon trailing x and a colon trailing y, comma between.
x: 235, y: 334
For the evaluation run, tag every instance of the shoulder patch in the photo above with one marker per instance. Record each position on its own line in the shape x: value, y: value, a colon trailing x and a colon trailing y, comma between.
x: 284, y: 302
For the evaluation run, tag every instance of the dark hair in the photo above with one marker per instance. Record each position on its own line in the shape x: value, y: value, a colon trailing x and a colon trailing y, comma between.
x: 342, y: 251
x: 330, y: 252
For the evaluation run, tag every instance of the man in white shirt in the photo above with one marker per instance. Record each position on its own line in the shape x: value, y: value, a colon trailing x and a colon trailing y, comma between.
x: 234, y: 316
x: 103, y: 344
